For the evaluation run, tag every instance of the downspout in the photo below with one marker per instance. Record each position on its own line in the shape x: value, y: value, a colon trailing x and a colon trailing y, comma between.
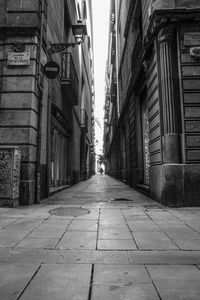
x: 40, y: 97
x: 117, y: 56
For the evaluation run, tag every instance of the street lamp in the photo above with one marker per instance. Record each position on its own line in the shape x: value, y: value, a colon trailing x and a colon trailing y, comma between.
x: 79, y: 31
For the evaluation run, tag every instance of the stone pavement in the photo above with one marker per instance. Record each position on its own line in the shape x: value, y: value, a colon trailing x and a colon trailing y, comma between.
x: 108, y: 242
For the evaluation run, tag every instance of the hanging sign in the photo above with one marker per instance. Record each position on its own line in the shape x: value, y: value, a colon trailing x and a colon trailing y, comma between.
x: 51, y: 69
x: 18, y: 59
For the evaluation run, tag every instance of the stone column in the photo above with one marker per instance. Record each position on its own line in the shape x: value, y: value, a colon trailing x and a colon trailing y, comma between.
x: 169, y: 95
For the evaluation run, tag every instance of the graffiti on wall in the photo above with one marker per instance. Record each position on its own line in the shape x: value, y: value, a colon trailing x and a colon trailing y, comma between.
x: 9, y: 173
x: 16, y: 174
x: 6, y: 159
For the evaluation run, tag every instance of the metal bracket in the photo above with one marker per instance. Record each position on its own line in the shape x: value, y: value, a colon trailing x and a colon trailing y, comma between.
x: 54, y: 48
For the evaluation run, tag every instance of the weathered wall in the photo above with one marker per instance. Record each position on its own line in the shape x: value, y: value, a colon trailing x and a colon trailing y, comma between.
x: 19, y: 90
x: 189, y: 36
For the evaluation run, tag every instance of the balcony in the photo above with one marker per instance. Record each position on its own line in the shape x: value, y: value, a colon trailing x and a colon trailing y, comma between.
x: 69, y: 78
x: 84, y: 120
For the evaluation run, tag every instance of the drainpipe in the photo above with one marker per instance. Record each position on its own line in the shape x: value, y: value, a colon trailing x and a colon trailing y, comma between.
x: 117, y: 55
x: 37, y: 171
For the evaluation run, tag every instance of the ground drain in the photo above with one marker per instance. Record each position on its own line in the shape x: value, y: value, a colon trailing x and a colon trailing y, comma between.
x: 69, y: 211
x: 153, y: 206
x: 122, y: 199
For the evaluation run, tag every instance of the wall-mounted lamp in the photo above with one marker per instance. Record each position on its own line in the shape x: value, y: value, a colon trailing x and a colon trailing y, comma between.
x: 79, y: 31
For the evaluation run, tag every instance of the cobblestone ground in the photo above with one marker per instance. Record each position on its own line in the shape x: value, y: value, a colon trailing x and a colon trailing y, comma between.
x: 107, y: 242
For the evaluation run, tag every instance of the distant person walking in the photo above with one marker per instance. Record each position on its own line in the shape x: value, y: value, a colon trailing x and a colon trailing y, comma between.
x: 101, y: 171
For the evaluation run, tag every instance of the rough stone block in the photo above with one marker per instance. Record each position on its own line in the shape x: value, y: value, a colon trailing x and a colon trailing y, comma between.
x: 187, y: 4
x: 28, y: 153
x: 176, y: 184
x: 191, y: 98
x: 19, y: 100
x: 172, y: 193
x: 193, y: 155
x: 18, y: 136
x: 166, y: 184
x: 27, y: 171
x: 27, y: 5
x: 193, y: 141
x: 22, y: 39
x: 190, y: 70
x: 18, y: 118
x: 27, y: 192
x: 163, y: 4
x: 192, y: 184
x: 13, y: 84
x: 191, y: 84
x: 20, y: 70
x: 192, y: 126
x: 22, y: 20
x: 171, y: 148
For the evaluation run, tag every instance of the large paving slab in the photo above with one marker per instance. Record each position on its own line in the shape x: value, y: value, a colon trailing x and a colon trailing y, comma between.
x: 58, y: 282
x: 168, y: 257
x: 116, y: 244
x: 78, y: 240
x: 14, y: 278
x: 176, y: 282
x: 153, y: 240
x: 136, y: 249
x: 120, y: 274
x: 128, y: 291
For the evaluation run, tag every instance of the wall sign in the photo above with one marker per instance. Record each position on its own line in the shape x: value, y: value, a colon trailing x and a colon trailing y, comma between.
x: 51, y: 69
x: 18, y: 59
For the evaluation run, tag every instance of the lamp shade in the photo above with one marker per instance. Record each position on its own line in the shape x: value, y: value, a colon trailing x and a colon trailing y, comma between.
x: 79, y: 30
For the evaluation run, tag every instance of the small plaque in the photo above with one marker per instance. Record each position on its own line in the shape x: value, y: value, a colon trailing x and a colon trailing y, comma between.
x: 18, y: 59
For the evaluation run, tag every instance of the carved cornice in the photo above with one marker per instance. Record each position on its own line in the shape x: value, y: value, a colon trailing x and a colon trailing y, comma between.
x: 161, y: 19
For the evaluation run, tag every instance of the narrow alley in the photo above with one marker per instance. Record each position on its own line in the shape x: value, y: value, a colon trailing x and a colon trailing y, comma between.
x: 98, y: 240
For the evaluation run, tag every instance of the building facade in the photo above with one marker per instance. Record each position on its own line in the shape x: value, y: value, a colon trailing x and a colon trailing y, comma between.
x: 152, y: 108
x: 49, y: 120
